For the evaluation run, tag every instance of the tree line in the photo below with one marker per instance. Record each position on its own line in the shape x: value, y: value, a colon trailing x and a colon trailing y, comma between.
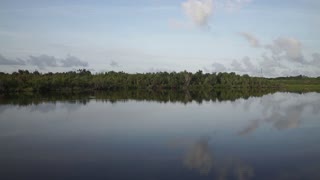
x: 84, y: 80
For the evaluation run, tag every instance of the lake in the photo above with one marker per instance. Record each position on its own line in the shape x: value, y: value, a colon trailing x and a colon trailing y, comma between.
x: 270, y: 136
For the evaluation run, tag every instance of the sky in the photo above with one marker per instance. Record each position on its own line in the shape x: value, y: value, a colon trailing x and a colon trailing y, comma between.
x: 257, y: 37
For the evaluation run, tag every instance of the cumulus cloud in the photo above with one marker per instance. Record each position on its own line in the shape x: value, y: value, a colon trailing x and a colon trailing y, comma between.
x: 237, y: 66
x: 270, y: 61
x: 315, y: 59
x: 72, y: 61
x: 244, y: 66
x: 266, y: 65
x: 289, y: 48
x: 215, y: 67
x: 44, y: 61
x: 280, y: 48
x: 253, y: 41
x: 114, y: 64
x: 218, y: 67
x: 248, y: 64
x: 284, y: 56
x: 158, y: 69
x: 270, y: 65
x: 199, y: 11
x: 287, y: 55
x: 6, y: 61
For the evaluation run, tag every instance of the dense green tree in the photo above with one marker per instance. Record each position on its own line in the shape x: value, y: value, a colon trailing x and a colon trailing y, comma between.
x: 84, y: 80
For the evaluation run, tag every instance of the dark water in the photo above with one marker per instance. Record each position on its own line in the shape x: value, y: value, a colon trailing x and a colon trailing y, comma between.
x: 276, y: 136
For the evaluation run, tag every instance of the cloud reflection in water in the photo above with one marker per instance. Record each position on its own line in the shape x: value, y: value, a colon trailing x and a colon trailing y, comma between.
x: 200, y: 157
x: 284, y: 111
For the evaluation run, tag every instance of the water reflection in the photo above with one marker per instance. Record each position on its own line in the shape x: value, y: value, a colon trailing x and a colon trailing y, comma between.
x: 138, y: 95
x: 45, y: 107
x: 115, y: 137
x: 284, y: 111
x: 200, y: 157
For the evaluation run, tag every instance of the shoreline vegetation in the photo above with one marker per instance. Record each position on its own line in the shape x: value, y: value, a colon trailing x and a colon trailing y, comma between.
x: 83, y: 80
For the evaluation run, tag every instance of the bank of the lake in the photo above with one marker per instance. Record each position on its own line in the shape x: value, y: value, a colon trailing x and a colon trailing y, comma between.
x: 84, y: 81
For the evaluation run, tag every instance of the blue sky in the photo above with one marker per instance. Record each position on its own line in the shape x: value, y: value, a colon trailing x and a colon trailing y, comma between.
x: 245, y: 36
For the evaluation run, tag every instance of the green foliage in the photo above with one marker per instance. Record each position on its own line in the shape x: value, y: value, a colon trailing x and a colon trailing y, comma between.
x: 83, y: 80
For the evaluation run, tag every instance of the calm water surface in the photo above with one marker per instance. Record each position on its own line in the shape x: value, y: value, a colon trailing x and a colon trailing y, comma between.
x: 276, y: 136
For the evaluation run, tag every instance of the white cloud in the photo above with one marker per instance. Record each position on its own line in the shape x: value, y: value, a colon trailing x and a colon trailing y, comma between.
x: 284, y: 56
x: 253, y: 41
x: 280, y: 48
x: 6, y: 61
x: 199, y: 11
x: 316, y: 59
x: 215, y: 68
x: 236, y: 66
x: 44, y: 61
x: 289, y: 48
x: 72, y: 61
x: 114, y: 64
x: 155, y: 70
x: 271, y: 65
x: 248, y: 64
x: 244, y: 66
x: 218, y: 67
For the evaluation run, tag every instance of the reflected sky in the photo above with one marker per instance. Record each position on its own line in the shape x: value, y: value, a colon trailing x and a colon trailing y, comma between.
x: 275, y: 136
x: 200, y: 157
x: 284, y: 111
